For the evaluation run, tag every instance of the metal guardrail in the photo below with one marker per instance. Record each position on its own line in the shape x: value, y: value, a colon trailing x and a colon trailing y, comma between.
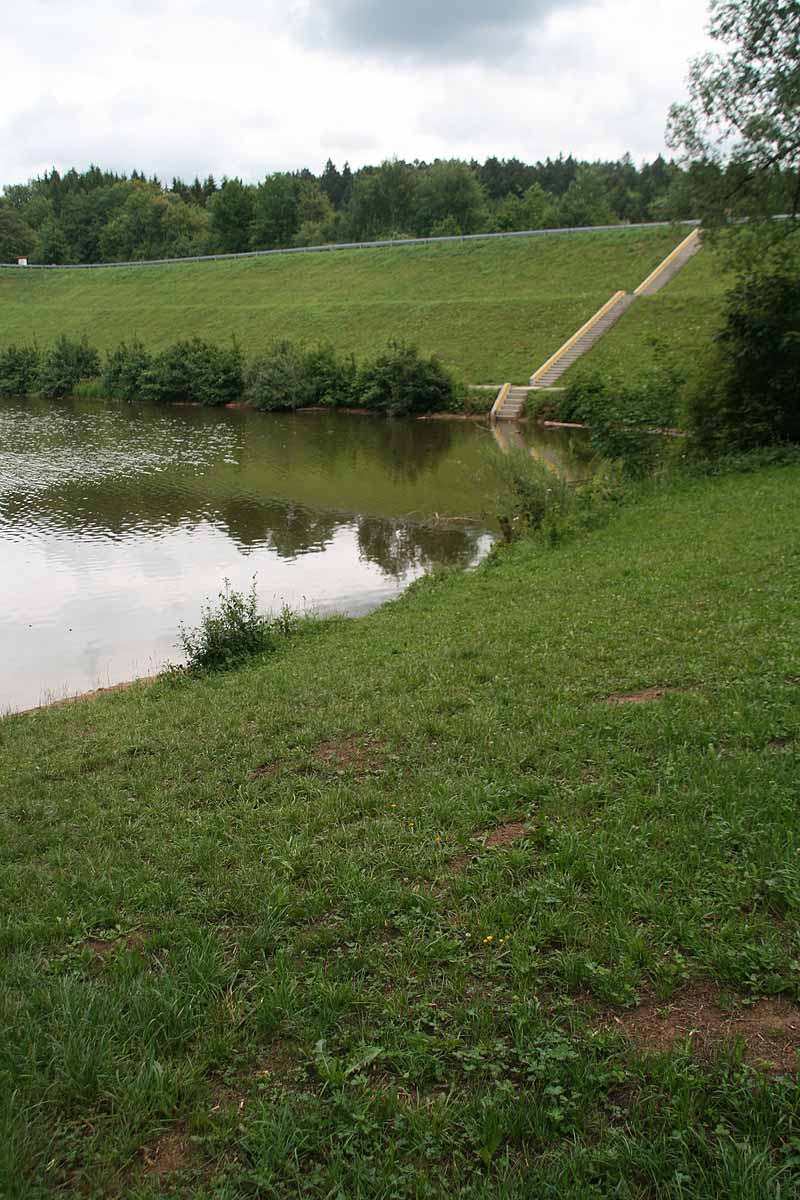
x: 398, y: 242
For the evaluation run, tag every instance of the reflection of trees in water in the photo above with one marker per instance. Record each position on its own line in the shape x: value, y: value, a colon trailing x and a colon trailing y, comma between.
x: 407, y: 448
x: 333, y: 446
x: 251, y: 522
x: 289, y: 529
x: 397, y: 546
x: 124, y: 494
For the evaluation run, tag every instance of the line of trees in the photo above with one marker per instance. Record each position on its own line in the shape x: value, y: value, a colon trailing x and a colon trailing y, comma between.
x: 100, y: 216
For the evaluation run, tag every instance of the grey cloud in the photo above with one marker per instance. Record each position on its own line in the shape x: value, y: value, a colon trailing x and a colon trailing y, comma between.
x: 52, y: 133
x: 467, y: 30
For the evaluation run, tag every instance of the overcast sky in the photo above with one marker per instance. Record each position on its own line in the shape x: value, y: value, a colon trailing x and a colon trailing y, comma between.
x: 245, y: 87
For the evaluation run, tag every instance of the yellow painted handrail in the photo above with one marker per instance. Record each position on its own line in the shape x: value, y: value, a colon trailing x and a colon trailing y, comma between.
x: 500, y: 401
x: 601, y: 312
x: 663, y: 266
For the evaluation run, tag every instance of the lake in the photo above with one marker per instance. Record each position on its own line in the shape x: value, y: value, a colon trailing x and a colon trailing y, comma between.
x: 117, y: 522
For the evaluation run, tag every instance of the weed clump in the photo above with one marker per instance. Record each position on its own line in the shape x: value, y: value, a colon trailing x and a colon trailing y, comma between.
x: 232, y: 631
x: 533, y: 499
x: 624, y: 417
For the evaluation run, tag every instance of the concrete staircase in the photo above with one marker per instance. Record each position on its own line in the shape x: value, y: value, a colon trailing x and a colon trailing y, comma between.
x: 671, y: 265
x: 514, y: 406
x: 510, y: 402
x: 583, y: 340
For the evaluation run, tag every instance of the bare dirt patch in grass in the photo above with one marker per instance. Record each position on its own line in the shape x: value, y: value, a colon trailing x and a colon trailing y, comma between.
x: 363, y: 756
x: 102, y: 947
x: 490, y: 839
x: 646, y: 696
x: 769, y: 1029
x: 504, y: 835
x: 265, y: 770
x: 350, y: 753
x: 172, y: 1152
x: 780, y: 745
x: 278, y: 1067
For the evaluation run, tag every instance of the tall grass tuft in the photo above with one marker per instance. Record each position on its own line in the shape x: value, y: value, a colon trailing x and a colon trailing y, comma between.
x: 532, y: 499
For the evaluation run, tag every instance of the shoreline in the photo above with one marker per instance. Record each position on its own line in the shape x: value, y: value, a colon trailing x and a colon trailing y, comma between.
x: 92, y: 694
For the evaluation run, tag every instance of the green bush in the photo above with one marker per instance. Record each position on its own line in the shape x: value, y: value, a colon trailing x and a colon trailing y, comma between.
x: 653, y: 400
x: 583, y: 399
x: 291, y: 376
x: 476, y: 402
x: 232, y: 632
x: 125, y: 371
x: 747, y: 394
x: 65, y: 364
x: 330, y: 377
x: 19, y: 370
x: 278, y: 380
x: 623, y: 418
x: 540, y: 406
x: 194, y: 372
x: 398, y: 382
x: 531, y: 497
x: 402, y: 381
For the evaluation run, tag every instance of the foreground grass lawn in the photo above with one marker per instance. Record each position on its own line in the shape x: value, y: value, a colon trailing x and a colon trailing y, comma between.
x: 492, y: 310
x: 413, y: 909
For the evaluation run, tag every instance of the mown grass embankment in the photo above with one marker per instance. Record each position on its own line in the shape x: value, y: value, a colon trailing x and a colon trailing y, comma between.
x: 492, y: 310
x: 412, y: 908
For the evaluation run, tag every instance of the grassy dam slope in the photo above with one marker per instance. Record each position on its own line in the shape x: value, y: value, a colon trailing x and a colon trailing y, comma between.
x: 492, y: 893
x: 493, y: 310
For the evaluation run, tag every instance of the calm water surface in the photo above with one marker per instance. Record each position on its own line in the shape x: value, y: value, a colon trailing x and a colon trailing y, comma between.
x: 118, y: 522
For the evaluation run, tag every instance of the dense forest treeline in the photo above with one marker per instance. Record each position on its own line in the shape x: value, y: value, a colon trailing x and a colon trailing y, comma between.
x: 100, y: 216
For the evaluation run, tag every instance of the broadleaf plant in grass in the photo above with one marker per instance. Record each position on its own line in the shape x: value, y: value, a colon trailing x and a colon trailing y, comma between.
x: 232, y: 631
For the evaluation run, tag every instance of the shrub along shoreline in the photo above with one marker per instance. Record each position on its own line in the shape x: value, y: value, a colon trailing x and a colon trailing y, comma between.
x: 397, y: 381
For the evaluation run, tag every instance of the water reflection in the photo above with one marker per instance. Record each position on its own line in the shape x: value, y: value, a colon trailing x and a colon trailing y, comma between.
x: 117, y: 522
